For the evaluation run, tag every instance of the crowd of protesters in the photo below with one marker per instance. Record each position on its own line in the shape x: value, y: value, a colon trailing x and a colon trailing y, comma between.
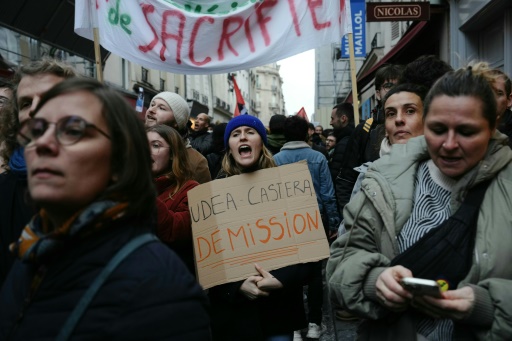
x: 96, y: 232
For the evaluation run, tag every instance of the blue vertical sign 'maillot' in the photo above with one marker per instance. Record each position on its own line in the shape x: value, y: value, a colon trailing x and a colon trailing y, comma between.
x: 358, y: 30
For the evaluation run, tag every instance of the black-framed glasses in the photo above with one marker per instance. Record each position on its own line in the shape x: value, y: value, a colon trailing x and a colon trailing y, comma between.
x: 68, y: 130
x: 387, y: 86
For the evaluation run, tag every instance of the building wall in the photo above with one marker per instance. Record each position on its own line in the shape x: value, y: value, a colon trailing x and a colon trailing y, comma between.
x: 333, y: 75
x: 481, y: 30
x: 269, y: 95
x: 212, y: 93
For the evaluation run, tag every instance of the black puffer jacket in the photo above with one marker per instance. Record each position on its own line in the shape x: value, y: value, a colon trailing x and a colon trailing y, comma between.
x: 202, y: 142
x: 342, y: 138
x: 150, y: 296
x: 236, y: 318
x: 363, y: 146
x: 15, y: 213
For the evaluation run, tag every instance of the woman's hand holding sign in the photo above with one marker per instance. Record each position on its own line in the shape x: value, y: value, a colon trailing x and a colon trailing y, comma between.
x: 250, y: 288
x: 258, y: 286
x: 268, y: 282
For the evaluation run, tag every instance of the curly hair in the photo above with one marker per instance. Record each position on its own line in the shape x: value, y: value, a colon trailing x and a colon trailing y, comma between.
x: 8, y: 127
x: 424, y: 70
x: 41, y: 67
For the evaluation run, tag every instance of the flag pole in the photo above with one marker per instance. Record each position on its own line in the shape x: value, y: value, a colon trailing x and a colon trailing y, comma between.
x: 97, y: 54
x: 353, y: 77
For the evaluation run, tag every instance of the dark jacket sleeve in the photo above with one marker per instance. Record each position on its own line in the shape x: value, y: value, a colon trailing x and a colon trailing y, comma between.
x: 166, y: 305
x: 294, y: 274
x: 174, y: 224
x: 203, y: 143
x: 347, y: 176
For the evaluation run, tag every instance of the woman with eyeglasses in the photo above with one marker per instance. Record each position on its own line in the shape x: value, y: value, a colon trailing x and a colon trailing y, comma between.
x: 172, y: 175
x: 88, y: 267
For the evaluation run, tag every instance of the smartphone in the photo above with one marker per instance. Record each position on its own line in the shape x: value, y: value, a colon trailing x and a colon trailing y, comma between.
x: 421, y: 287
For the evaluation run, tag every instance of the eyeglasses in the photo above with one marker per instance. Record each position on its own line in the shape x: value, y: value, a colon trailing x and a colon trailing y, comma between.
x: 68, y: 130
x: 387, y: 86
x: 155, y: 148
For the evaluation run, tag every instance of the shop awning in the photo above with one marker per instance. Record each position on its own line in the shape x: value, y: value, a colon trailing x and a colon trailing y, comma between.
x: 412, y: 34
x: 50, y: 21
x: 422, y: 38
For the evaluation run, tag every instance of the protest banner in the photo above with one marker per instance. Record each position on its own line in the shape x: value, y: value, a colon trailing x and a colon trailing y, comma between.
x: 203, y: 37
x: 269, y: 217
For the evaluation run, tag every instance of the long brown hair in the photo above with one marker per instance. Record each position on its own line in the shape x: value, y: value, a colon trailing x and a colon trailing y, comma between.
x: 180, y: 171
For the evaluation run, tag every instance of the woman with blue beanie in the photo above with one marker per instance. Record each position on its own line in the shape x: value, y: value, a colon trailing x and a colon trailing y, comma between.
x: 245, y: 141
x: 266, y: 306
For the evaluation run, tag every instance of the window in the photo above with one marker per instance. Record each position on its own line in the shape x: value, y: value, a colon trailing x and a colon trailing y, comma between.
x: 9, y: 41
x: 144, y: 75
x: 162, y: 84
x: 395, y: 30
x: 205, y: 99
x: 195, y: 95
x: 124, y: 73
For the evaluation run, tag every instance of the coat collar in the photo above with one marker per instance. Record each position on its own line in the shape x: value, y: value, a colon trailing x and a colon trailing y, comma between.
x: 295, y: 145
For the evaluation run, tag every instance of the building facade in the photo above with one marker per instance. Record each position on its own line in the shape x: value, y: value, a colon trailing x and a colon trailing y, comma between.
x: 268, y: 92
x: 261, y: 87
x: 458, y: 32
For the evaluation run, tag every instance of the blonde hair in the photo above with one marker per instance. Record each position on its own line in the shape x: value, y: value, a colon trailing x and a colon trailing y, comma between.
x: 483, y: 69
x: 230, y: 167
x: 180, y: 171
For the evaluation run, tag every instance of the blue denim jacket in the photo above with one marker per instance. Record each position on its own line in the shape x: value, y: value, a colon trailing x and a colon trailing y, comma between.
x: 317, y: 163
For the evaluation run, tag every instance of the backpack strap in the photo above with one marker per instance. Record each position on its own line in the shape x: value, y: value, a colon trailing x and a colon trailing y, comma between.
x: 87, y: 297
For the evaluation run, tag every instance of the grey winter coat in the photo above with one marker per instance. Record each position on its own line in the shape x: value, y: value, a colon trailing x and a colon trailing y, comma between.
x: 378, y: 212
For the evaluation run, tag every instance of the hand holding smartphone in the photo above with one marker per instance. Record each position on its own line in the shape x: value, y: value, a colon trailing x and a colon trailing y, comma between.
x: 421, y: 287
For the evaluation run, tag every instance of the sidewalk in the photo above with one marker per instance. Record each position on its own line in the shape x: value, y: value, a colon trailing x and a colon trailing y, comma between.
x: 334, y: 330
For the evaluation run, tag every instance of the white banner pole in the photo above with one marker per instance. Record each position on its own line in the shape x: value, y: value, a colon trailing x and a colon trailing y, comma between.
x: 97, y: 54
x: 353, y: 77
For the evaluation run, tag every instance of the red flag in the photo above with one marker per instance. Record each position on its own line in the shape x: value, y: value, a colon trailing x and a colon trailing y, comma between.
x: 240, y: 108
x: 302, y: 113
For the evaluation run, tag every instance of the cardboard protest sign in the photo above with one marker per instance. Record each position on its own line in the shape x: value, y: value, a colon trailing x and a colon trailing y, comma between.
x: 269, y: 217
x: 211, y: 36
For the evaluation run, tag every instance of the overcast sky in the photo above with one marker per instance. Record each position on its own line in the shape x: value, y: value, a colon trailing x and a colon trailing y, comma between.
x: 298, y: 73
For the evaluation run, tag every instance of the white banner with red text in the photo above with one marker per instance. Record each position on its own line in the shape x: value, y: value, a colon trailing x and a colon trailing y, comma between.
x: 211, y: 36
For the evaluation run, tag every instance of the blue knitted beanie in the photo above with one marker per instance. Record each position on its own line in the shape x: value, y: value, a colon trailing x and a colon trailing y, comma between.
x: 245, y: 120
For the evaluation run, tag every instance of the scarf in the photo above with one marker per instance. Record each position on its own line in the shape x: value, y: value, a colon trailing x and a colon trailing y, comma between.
x: 17, y: 162
x: 38, y: 241
x: 385, y: 147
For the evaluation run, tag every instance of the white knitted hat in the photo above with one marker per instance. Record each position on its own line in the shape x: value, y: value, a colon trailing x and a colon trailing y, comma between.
x: 178, y: 106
